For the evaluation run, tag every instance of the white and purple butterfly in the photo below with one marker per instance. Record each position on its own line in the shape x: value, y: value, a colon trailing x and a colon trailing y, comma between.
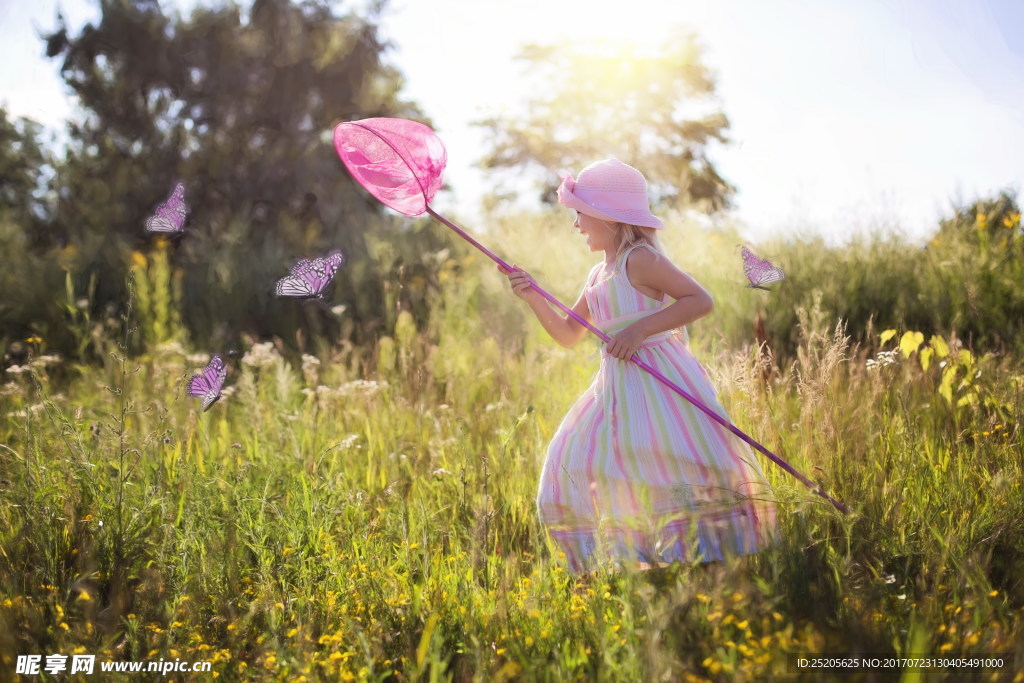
x: 310, y: 277
x: 207, y: 384
x: 760, y: 271
x: 170, y: 215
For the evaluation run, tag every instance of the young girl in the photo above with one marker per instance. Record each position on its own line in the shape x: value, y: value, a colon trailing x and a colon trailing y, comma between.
x: 636, y: 474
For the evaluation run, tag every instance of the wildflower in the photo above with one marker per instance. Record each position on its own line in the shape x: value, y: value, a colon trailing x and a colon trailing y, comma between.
x: 45, y: 360
x: 19, y: 369
x: 363, y: 387
x: 260, y: 355
x: 310, y: 368
x: 883, y: 359
x: 34, y: 339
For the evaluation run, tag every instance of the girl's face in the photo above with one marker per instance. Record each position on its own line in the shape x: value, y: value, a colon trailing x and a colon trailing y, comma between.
x: 600, y: 236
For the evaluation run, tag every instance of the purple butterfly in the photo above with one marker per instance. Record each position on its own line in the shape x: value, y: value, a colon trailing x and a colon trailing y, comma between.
x: 760, y: 271
x: 207, y: 384
x: 170, y: 215
x: 310, y: 277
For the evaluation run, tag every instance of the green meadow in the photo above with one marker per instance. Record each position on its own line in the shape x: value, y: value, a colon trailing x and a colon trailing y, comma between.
x: 366, y: 512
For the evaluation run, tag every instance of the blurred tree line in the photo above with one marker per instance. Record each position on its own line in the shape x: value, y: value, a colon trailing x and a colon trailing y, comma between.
x: 654, y: 109
x: 239, y: 105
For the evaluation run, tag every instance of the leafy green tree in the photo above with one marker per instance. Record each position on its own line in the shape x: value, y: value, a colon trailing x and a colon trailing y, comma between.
x: 655, y: 111
x: 239, y: 105
x: 24, y: 171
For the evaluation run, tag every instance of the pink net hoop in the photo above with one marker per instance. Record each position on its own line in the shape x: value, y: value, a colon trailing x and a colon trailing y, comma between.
x: 400, y: 162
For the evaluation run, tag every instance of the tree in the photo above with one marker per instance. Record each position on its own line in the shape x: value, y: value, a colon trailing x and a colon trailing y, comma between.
x: 653, y: 111
x: 240, y: 106
x: 23, y: 166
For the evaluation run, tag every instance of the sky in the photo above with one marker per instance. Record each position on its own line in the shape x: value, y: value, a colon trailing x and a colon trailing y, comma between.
x: 844, y: 115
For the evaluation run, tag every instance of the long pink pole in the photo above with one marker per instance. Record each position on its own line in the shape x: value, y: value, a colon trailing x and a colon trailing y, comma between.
x: 664, y: 380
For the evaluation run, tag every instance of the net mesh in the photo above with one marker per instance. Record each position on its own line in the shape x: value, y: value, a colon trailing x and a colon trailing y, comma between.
x: 399, y: 162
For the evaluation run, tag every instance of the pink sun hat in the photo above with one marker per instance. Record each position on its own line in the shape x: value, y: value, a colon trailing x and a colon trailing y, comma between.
x: 612, y: 191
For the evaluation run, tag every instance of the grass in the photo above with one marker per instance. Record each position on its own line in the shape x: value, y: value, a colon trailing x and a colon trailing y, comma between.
x: 369, y: 514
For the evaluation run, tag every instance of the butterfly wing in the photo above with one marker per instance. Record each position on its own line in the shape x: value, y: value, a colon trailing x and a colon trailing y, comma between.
x: 325, y: 270
x: 207, y: 384
x: 309, y: 277
x: 770, y: 275
x: 170, y: 215
x: 759, y: 271
x: 293, y: 285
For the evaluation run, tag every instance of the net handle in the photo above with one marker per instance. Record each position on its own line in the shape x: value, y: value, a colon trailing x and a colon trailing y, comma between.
x: 664, y: 380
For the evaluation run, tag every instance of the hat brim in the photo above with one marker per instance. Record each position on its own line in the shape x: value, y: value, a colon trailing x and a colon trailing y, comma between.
x: 567, y: 198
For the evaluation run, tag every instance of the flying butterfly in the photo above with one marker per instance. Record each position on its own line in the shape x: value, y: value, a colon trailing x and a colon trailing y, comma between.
x: 170, y: 215
x: 310, y: 277
x: 760, y: 271
x: 207, y: 384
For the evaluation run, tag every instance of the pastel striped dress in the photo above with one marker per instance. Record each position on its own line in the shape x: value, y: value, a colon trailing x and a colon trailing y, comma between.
x: 635, y: 473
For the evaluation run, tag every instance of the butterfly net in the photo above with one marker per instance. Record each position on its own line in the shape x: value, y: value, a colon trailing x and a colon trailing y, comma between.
x: 399, y: 162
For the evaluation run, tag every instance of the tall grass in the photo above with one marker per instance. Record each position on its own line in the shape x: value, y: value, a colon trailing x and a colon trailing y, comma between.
x: 369, y: 513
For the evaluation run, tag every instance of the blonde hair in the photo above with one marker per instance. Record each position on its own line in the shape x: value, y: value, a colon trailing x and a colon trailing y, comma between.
x: 635, y: 235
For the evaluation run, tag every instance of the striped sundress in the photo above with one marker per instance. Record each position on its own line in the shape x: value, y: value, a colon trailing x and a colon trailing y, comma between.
x: 636, y: 475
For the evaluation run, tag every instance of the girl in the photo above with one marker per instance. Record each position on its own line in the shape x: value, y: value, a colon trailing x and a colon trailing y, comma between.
x: 636, y: 474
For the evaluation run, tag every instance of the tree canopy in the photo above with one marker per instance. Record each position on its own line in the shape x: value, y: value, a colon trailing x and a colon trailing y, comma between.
x: 238, y: 104
x: 653, y: 110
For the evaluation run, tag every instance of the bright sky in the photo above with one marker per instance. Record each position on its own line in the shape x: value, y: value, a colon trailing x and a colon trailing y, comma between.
x: 844, y: 114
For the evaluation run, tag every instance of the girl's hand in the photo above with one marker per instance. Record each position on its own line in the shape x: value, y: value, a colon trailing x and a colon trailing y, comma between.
x: 521, y: 282
x: 625, y: 343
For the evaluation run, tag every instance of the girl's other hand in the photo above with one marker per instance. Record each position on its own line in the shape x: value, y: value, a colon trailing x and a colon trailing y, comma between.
x: 521, y: 281
x: 625, y: 343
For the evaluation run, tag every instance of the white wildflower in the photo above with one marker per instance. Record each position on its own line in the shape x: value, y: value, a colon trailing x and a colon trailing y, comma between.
x: 198, y: 358
x: 362, y: 386
x: 10, y: 389
x: 883, y: 359
x: 350, y: 441
x: 45, y: 361
x: 228, y: 392
x: 324, y: 392
x: 19, y: 369
x: 310, y: 368
x: 260, y: 355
